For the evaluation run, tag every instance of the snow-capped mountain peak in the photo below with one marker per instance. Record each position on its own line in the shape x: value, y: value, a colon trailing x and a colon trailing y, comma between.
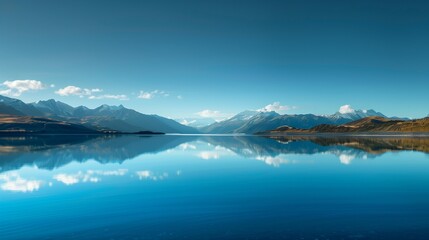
x: 348, y: 112
x: 243, y: 116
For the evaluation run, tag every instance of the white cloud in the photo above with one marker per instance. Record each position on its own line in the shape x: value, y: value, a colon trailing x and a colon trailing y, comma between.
x: 217, y: 115
x: 77, y: 91
x: 186, y: 122
x: 7, y: 92
x: 346, y: 109
x: 209, y: 113
x: 17, y: 87
x: 277, y: 107
x: 145, y: 95
x: 109, y: 96
x: 151, y: 94
x: 90, y: 93
x: 14, y: 182
x: 179, y: 97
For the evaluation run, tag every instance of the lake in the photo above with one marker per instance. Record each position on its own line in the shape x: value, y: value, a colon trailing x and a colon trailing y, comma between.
x: 214, y: 187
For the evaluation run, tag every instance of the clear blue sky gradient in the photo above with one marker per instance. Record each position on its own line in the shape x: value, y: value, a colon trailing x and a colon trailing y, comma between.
x: 223, y: 55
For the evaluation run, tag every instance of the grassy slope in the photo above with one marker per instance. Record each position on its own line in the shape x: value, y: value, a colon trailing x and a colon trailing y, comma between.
x: 366, y: 125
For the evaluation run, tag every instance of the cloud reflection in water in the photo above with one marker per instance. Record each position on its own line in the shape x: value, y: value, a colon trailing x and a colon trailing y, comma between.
x: 14, y: 182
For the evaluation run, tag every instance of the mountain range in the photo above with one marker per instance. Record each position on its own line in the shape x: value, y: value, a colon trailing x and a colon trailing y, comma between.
x: 258, y: 121
x: 121, y: 119
x: 103, y: 118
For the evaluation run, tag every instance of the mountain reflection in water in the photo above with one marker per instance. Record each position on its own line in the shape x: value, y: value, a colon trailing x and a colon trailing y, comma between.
x: 50, y: 151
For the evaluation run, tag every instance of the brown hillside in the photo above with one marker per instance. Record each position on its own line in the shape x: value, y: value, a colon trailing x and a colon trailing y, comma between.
x: 367, y: 125
x: 25, y: 124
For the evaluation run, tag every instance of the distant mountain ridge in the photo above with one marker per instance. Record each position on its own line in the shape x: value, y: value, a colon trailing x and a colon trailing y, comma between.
x: 195, y: 122
x: 105, y: 117
x: 258, y: 121
x: 231, y: 124
x: 54, y: 108
x: 20, y: 106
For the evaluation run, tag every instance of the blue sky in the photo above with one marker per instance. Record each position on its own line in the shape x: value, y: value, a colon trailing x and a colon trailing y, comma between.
x: 183, y: 57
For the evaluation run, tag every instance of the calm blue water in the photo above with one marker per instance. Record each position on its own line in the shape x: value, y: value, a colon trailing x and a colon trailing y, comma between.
x: 213, y: 187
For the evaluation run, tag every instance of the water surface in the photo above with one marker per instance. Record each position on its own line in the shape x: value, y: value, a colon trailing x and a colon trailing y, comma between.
x: 213, y: 187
